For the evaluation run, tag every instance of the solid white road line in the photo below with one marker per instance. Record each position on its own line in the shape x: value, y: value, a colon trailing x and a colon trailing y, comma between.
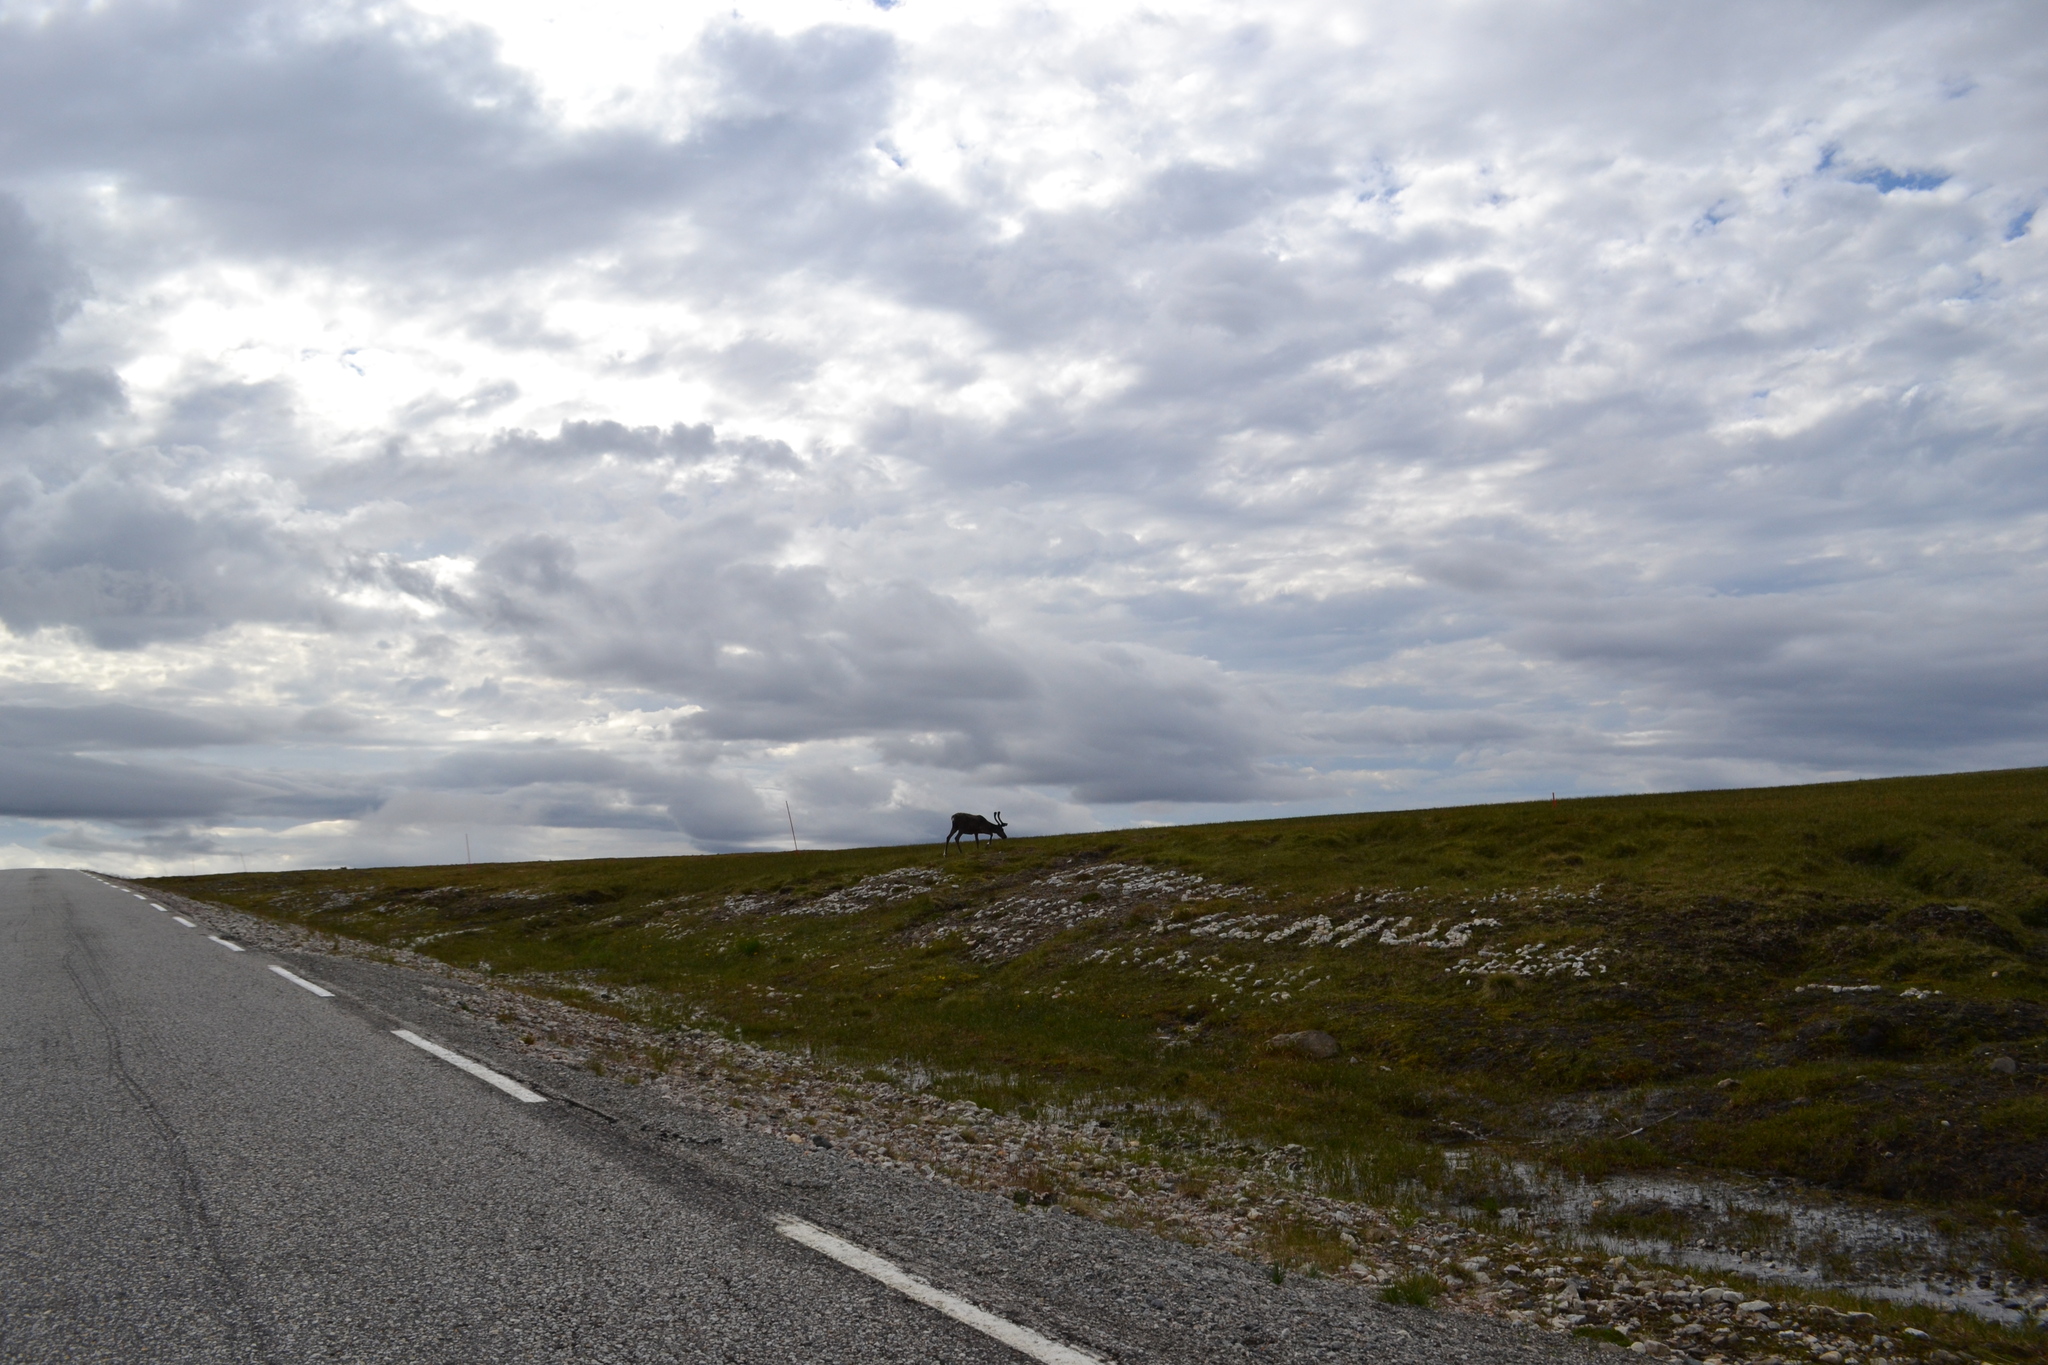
x: 301, y: 982
x: 186, y: 922
x: 231, y: 947
x: 476, y: 1069
x: 1020, y: 1339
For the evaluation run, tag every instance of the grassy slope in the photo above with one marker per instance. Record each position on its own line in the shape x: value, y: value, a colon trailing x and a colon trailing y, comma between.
x: 1709, y: 910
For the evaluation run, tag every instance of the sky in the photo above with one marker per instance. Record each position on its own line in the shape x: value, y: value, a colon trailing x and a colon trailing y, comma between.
x: 520, y: 431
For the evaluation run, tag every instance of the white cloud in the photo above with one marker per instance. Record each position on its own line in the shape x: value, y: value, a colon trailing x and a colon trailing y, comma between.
x: 436, y: 420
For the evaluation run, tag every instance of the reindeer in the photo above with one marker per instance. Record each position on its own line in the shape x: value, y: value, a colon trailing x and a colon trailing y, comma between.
x: 964, y: 823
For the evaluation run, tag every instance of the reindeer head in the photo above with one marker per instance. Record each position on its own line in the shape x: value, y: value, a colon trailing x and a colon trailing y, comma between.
x: 1000, y: 826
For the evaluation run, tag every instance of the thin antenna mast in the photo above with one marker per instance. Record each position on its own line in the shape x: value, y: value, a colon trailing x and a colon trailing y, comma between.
x: 465, y: 850
x: 792, y: 827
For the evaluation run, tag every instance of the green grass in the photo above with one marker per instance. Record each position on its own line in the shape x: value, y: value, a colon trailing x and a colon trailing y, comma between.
x: 1413, y: 1291
x: 1702, y: 913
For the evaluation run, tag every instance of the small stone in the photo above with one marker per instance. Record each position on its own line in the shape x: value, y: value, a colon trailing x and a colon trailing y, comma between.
x: 1754, y: 1306
x: 1727, y: 1083
x: 1309, y: 1043
x: 1860, y: 1319
x: 1829, y: 1358
x: 2004, y: 1066
x: 1916, y: 1334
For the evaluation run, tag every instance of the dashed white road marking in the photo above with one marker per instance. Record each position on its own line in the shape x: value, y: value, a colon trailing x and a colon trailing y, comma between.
x: 302, y: 983
x: 154, y: 906
x: 186, y: 922
x: 231, y: 947
x: 1020, y: 1339
x: 476, y: 1069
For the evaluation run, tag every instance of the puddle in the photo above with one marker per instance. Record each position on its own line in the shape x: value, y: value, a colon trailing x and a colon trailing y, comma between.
x: 1777, y: 1232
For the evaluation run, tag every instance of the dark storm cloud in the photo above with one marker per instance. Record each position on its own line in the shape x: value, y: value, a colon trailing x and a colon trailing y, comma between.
x: 46, y: 775
x: 113, y: 726
x: 1114, y: 725
x: 126, y: 557
x: 283, y: 131
x: 38, y: 286
x: 41, y: 398
x: 566, y: 787
x: 45, y: 785
x: 180, y: 843
x: 783, y: 655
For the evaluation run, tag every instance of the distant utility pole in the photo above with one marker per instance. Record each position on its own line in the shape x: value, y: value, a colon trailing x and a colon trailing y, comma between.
x: 245, y: 863
x: 465, y: 850
x: 792, y: 826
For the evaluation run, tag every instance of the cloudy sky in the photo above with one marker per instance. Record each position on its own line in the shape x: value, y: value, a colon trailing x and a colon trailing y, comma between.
x: 586, y: 429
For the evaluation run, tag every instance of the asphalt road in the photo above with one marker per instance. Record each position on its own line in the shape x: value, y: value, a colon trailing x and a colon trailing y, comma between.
x: 203, y: 1161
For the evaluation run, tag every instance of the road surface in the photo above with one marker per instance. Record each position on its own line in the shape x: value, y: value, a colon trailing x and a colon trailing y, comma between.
x: 213, y: 1153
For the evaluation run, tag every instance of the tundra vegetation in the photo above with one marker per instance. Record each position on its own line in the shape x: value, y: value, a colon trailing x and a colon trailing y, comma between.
x: 1842, y: 987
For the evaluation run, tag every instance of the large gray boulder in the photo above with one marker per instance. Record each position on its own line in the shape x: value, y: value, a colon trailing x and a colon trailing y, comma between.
x: 1309, y: 1043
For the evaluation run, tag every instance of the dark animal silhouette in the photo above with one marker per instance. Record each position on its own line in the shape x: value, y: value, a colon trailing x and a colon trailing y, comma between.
x: 964, y: 823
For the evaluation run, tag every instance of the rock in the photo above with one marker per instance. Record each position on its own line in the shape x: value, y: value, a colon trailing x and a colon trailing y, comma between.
x: 1309, y: 1043
x: 2004, y: 1066
x: 1655, y: 1350
x: 1916, y: 1334
x: 1829, y: 1358
x: 1754, y: 1306
x: 1859, y: 1319
x: 1727, y: 1083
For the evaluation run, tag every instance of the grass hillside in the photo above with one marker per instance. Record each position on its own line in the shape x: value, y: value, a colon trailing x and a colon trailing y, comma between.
x: 1809, y: 981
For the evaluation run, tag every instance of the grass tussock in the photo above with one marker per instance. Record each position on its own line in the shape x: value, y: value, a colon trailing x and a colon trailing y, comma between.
x: 1413, y: 1291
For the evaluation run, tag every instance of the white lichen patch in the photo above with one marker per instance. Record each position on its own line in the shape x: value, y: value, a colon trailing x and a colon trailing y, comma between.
x: 1004, y: 928
x: 884, y: 888
x: 1534, y: 960
x: 1131, y: 882
x: 1379, y: 923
